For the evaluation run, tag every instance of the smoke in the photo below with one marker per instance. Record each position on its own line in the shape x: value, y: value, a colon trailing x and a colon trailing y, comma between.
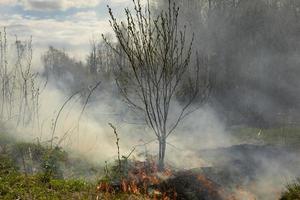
x: 253, y: 53
x: 30, y: 107
x: 252, y: 49
x: 256, y: 71
x: 202, y: 129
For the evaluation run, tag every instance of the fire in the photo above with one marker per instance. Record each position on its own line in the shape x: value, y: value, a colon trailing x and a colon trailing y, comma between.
x: 143, y: 178
x: 105, y: 187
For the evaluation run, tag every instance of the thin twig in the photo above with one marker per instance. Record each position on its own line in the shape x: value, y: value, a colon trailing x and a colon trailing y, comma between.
x: 117, y: 143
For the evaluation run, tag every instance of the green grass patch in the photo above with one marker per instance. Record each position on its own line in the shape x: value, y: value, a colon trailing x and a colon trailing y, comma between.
x: 16, y: 185
x: 285, y: 136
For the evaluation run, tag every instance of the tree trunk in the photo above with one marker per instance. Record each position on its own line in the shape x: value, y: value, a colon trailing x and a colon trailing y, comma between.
x: 162, y: 151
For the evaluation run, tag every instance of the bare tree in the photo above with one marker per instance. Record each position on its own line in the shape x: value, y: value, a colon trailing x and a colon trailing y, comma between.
x: 159, y: 58
x: 19, y: 84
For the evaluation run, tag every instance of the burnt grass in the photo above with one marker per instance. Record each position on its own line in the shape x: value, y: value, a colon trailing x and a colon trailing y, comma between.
x: 235, y: 167
x: 239, y: 166
x: 245, y: 164
x: 189, y: 185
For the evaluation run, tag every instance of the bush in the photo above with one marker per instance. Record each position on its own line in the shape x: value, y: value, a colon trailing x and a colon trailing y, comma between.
x: 51, y: 162
x: 292, y: 191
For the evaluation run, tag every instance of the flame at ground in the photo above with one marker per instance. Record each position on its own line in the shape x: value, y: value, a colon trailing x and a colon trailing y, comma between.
x: 142, y: 179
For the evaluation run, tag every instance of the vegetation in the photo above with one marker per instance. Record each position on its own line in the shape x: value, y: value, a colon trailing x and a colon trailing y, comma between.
x: 159, y: 57
x: 18, y: 180
x: 32, y: 171
x: 28, y: 171
x: 19, y: 84
x: 242, y: 54
x: 292, y: 191
x: 288, y: 136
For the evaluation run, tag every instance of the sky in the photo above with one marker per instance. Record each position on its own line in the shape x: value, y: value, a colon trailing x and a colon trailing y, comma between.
x: 65, y: 24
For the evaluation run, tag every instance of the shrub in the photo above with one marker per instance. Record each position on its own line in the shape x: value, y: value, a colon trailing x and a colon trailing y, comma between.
x: 292, y: 191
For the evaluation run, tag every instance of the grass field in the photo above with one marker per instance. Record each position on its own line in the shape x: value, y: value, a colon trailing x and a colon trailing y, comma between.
x: 285, y: 136
x: 15, y: 184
